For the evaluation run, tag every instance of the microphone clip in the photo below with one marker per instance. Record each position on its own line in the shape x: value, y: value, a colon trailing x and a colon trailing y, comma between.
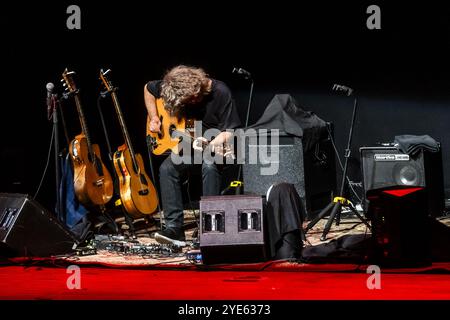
x: 52, y: 101
x: 247, y: 75
x: 339, y: 87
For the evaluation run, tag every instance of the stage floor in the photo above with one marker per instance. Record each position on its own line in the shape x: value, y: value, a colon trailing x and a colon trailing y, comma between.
x: 348, y: 226
x: 47, y: 283
x: 118, y: 276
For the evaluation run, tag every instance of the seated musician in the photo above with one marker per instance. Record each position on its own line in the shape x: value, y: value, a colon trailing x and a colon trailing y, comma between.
x: 189, y: 91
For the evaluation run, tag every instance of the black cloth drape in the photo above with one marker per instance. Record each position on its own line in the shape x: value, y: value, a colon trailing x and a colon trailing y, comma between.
x: 412, y: 145
x: 284, y: 215
x: 285, y: 114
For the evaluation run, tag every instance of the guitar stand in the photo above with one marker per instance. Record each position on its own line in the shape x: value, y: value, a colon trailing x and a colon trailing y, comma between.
x: 104, y: 94
x: 129, y: 222
x: 110, y: 219
x: 128, y: 219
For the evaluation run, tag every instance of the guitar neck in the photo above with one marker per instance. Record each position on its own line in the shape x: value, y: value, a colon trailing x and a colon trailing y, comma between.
x: 83, y: 123
x: 184, y: 135
x: 126, y: 136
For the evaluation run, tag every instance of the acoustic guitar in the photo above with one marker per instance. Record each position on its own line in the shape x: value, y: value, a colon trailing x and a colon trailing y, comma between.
x: 175, y: 128
x: 137, y: 192
x: 92, y: 181
x: 163, y: 142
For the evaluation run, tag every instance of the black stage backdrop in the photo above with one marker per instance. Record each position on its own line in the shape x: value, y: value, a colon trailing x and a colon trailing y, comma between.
x: 400, y: 73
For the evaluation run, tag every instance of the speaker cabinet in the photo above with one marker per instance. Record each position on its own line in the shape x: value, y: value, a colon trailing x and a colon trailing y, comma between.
x: 232, y: 229
x: 312, y: 172
x: 27, y: 229
x: 385, y: 167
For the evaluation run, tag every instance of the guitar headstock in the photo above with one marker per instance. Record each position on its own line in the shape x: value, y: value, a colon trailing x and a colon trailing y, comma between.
x: 68, y: 81
x: 104, y: 76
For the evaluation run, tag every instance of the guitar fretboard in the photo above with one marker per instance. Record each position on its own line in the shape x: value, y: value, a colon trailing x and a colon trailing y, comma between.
x: 84, y: 127
x: 126, y: 136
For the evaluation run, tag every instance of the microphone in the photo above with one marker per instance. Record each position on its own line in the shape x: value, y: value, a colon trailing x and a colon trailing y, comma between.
x: 339, y: 87
x: 50, y: 86
x: 243, y: 72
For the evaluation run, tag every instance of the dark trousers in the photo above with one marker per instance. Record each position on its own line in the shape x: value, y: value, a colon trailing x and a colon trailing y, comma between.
x: 171, y: 177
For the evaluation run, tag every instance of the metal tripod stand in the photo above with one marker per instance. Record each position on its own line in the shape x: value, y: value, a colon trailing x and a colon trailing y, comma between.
x: 338, y: 202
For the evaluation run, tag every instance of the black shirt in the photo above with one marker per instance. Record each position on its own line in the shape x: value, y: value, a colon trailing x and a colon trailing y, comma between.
x: 216, y: 110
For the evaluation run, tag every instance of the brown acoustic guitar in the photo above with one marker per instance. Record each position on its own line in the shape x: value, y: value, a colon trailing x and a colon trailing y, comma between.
x: 163, y: 142
x: 175, y: 128
x: 137, y: 192
x: 92, y: 181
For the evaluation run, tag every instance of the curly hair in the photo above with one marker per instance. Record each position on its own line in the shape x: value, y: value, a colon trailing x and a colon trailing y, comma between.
x: 183, y: 85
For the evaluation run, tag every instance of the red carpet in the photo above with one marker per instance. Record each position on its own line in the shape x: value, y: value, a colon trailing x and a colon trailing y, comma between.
x: 18, y: 282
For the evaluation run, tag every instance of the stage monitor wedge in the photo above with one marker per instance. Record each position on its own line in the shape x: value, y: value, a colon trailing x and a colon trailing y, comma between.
x: 27, y: 229
x: 232, y: 229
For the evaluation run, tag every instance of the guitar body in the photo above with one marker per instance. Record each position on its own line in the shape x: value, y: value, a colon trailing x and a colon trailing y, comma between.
x: 137, y: 192
x: 92, y: 181
x: 162, y: 142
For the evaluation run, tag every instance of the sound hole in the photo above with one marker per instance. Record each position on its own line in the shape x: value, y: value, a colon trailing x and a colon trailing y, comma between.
x: 172, y: 129
x: 143, y: 192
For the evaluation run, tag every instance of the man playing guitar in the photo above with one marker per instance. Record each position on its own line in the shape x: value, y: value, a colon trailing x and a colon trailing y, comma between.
x: 190, y: 93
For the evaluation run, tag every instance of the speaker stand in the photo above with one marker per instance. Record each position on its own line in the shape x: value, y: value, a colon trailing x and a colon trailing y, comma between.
x: 336, y: 205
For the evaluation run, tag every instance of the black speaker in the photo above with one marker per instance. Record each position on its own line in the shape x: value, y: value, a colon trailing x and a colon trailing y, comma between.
x: 400, y: 226
x: 384, y: 167
x: 232, y: 229
x: 27, y: 229
x: 312, y: 171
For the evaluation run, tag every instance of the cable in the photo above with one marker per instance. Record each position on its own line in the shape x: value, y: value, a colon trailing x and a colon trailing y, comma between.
x: 46, y: 165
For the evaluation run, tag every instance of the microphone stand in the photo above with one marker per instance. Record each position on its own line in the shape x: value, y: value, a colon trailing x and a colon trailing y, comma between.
x: 249, y: 102
x: 246, y: 119
x: 54, y: 106
x: 336, y: 205
x: 237, y: 184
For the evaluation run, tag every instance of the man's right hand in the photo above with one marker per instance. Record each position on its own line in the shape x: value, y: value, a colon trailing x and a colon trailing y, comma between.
x: 155, y: 124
